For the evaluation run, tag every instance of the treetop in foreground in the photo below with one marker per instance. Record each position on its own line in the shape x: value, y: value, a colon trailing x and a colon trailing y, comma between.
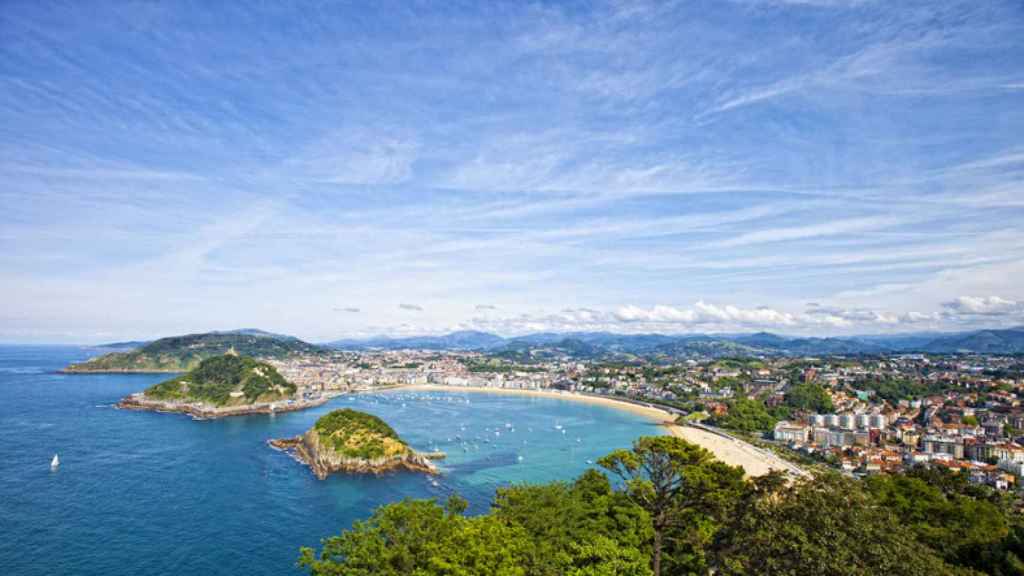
x: 679, y: 511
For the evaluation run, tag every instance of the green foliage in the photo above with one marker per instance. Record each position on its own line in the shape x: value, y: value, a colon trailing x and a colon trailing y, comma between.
x: 956, y: 526
x: 216, y: 378
x: 896, y: 389
x: 356, y: 434
x: 686, y: 492
x: 746, y: 415
x: 574, y: 528
x: 420, y: 538
x: 679, y: 511
x: 826, y: 526
x: 583, y: 529
x: 602, y: 556
x: 809, y: 397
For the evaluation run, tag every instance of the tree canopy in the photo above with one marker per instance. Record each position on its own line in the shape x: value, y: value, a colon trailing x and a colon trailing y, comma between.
x: 215, y: 378
x: 677, y: 510
x: 683, y: 489
x: 746, y: 415
x: 809, y: 397
x: 826, y: 526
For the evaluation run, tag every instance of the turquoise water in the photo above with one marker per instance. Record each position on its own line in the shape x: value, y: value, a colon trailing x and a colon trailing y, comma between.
x: 147, y: 493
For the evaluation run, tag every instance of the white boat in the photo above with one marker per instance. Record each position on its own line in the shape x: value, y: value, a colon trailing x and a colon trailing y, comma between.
x: 55, y: 462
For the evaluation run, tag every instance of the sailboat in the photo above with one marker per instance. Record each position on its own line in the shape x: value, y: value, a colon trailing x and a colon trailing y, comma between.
x: 55, y: 462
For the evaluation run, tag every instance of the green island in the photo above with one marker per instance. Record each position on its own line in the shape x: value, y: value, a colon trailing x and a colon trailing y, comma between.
x: 226, y: 385
x: 182, y: 353
x: 355, y: 442
x: 225, y: 380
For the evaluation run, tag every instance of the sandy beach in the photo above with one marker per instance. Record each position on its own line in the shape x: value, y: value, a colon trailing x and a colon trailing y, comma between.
x: 732, y: 451
x: 655, y: 414
x: 735, y: 452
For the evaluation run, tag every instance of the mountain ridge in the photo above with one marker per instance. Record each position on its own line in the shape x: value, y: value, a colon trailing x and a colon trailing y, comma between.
x: 185, y: 352
x: 982, y: 341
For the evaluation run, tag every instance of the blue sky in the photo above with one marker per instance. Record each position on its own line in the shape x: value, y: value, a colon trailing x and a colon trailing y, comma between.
x: 343, y: 169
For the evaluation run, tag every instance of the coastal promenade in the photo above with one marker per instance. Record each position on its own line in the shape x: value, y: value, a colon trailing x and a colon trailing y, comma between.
x: 726, y: 447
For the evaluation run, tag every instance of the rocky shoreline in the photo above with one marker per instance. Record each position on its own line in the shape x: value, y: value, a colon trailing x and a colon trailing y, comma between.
x: 203, y: 411
x: 120, y: 371
x: 308, y: 449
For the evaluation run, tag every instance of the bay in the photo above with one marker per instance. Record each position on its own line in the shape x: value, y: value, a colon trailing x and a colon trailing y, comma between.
x: 148, y: 493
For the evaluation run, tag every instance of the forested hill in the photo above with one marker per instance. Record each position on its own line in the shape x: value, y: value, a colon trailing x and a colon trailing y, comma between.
x: 181, y: 353
x: 225, y: 380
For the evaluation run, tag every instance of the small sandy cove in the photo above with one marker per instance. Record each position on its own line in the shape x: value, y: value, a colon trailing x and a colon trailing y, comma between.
x: 732, y: 451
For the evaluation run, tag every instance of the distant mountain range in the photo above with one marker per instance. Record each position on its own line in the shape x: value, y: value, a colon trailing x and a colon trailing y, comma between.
x: 595, y: 344
x: 180, y: 353
x: 130, y: 344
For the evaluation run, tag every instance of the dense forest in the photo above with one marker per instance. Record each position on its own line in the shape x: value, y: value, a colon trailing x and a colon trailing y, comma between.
x: 667, y: 507
x: 214, y: 379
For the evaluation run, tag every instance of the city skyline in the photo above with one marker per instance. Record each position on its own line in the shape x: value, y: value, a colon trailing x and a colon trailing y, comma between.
x: 799, y: 167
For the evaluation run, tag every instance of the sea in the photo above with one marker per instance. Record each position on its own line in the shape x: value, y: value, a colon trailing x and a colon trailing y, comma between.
x: 146, y: 493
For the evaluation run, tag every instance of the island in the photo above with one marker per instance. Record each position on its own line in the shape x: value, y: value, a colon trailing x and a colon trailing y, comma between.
x: 227, y: 385
x: 182, y: 353
x: 350, y: 441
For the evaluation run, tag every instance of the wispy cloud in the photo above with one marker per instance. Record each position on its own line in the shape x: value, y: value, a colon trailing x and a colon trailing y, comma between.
x: 361, y: 156
x: 848, y: 226
x: 570, y: 167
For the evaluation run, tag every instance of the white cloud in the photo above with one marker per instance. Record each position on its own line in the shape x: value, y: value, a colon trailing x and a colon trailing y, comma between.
x: 705, y: 317
x: 983, y: 306
x: 703, y: 313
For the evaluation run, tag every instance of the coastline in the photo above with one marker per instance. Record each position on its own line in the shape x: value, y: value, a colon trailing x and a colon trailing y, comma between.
x: 202, y: 411
x: 656, y: 415
x: 732, y: 451
x: 119, y: 371
x: 307, y: 448
x: 735, y: 452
